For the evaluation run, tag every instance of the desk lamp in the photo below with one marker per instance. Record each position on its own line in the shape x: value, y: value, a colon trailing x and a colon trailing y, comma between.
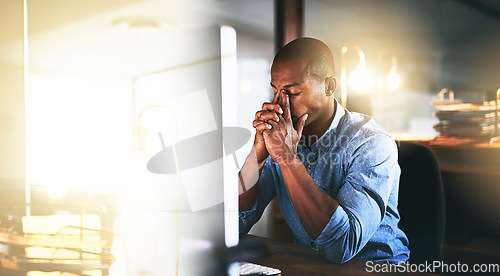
x: 360, y: 79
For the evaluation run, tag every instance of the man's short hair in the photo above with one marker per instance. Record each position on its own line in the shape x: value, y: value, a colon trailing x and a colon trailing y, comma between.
x: 315, y: 52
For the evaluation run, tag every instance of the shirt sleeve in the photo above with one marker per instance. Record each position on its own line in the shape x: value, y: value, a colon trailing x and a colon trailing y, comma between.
x: 266, y: 191
x: 371, y: 172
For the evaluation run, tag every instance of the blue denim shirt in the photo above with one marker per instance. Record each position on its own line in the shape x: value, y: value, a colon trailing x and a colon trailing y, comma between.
x: 354, y: 162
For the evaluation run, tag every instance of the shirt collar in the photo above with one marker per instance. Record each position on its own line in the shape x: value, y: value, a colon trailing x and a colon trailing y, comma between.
x: 324, y: 140
x: 339, y: 113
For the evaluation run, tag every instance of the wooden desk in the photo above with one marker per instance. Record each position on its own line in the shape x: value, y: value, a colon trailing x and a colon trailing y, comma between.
x: 295, y: 260
x: 460, y: 156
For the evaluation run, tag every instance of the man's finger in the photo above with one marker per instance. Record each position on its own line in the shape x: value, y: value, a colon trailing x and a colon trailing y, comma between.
x: 257, y: 115
x: 255, y: 123
x: 266, y: 116
x: 281, y: 121
x: 276, y: 97
x: 274, y: 124
x: 300, y: 123
x: 260, y: 127
x: 267, y: 135
x: 285, y: 103
x: 276, y: 107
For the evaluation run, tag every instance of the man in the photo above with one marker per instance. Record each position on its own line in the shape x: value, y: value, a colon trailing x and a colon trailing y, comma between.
x: 335, y: 173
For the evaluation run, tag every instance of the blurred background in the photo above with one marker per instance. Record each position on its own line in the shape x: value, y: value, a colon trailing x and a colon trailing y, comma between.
x: 75, y: 86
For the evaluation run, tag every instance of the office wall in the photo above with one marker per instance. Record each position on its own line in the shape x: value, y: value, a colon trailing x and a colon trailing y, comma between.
x: 12, y: 126
x: 437, y: 44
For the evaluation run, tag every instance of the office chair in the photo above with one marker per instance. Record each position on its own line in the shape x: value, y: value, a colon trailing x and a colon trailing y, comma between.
x: 421, y: 202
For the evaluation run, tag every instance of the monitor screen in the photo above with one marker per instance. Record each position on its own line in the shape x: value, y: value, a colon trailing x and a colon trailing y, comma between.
x: 189, y: 122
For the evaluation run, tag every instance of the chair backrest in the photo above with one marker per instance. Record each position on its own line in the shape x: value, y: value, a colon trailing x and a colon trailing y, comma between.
x: 421, y: 202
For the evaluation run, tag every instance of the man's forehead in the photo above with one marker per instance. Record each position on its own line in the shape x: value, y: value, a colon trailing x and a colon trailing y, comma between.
x: 291, y: 67
x: 296, y: 62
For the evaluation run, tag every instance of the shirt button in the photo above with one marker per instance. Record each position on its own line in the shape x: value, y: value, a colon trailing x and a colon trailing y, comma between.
x: 310, y: 165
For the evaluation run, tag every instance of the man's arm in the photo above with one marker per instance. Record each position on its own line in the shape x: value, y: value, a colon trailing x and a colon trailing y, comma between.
x: 313, y: 207
x: 341, y: 227
x: 254, y: 201
x: 254, y: 197
x: 248, y: 181
x: 252, y: 168
x: 372, y: 173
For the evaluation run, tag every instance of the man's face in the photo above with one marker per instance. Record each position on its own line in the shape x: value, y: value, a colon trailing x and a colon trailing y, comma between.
x: 307, y: 94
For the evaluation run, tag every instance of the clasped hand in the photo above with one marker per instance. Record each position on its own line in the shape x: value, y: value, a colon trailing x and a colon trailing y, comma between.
x: 275, y: 132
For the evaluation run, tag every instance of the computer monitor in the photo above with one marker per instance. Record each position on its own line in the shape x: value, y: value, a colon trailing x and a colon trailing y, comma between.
x: 197, y: 149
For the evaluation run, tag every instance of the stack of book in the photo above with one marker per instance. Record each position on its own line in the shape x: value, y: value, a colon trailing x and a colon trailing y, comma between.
x: 476, y: 120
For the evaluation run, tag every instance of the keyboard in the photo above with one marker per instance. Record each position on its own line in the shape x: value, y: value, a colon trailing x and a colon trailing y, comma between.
x: 251, y: 269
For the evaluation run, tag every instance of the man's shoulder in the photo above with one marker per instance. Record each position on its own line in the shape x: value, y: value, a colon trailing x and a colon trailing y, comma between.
x: 358, y: 125
x: 368, y: 139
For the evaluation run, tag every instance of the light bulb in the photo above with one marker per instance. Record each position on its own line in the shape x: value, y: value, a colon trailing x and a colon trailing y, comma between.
x: 393, y: 76
x: 393, y: 80
x: 361, y: 80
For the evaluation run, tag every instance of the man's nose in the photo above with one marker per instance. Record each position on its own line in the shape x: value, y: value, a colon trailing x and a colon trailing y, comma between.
x: 284, y: 91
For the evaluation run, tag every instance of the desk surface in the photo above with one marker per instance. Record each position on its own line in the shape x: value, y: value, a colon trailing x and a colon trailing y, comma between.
x: 294, y: 260
x: 458, y: 156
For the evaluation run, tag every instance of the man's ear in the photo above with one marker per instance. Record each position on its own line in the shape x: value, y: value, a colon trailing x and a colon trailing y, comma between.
x: 331, y: 85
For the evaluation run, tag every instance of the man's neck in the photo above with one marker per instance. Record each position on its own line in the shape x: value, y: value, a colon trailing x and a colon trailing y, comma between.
x: 315, y: 130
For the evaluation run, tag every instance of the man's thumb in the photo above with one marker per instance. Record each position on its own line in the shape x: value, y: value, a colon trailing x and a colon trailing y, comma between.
x: 301, y: 122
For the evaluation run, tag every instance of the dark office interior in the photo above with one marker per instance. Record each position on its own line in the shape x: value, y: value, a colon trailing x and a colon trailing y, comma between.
x: 84, y: 86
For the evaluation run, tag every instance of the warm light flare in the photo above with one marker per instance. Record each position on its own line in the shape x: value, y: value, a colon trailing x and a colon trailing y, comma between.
x: 393, y: 81
x: 56, y: 191
x: 360, y: 79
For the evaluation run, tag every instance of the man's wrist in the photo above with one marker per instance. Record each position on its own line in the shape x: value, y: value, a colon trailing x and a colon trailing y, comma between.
x: 291, y: 159
x: 252, y: 157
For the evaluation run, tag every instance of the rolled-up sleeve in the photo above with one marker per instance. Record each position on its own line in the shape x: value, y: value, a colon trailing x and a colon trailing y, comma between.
x: 371, y: 172
x: 266, y: 191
